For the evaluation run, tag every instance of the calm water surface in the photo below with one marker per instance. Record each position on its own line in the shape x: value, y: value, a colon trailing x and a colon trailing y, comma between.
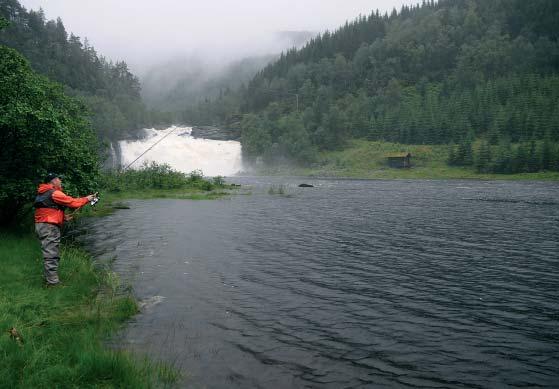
x: 438, y: 284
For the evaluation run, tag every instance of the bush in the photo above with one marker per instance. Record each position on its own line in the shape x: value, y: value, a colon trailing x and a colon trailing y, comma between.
x: 154, y: 176
x: 219, y: 181
x: 196, y: 176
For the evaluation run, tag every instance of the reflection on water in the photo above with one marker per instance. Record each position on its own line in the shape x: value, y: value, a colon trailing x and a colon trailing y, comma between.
x: 349, y: 284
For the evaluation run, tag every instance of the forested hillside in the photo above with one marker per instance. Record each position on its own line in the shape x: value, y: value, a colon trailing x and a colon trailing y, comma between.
x: 109, y: 90
x: 442, y: 72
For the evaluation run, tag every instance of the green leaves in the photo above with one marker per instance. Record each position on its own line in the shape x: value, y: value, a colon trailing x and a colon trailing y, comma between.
x: 3, y: 23
x: 42, y: 130
x: 256, y: 137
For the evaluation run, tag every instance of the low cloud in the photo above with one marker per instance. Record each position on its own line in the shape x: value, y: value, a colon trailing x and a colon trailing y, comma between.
x: 145, y: 33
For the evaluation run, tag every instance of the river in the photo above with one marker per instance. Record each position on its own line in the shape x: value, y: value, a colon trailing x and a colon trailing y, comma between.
x: 439, y: 284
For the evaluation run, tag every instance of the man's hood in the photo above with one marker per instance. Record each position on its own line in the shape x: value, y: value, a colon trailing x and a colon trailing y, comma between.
x: 44, y: 188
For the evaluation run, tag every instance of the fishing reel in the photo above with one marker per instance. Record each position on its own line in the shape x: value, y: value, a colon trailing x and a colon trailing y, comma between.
x: 95, y: 199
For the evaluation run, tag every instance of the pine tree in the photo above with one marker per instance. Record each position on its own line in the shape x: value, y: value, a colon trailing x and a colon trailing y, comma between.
x: 534, y: 158
x: 483, y: 158
x: 451, y: 159
x: 464, y: 156
x: 520, y: 161
x: 503, y: 159
x: 498, y: 128
x: 546, y: 154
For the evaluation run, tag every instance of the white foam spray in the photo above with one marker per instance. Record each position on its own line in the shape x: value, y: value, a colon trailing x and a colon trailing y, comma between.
x: 184, y: 153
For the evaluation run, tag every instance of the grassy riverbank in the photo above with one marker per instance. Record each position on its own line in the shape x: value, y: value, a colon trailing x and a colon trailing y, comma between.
x: 366, y: 159
x: 63, y: 328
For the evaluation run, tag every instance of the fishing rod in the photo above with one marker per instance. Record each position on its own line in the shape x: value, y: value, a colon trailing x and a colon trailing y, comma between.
x: 151, y: 147
x: 95, y: 199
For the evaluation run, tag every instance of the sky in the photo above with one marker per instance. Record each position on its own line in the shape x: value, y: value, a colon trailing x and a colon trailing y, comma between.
x: 146, y: 32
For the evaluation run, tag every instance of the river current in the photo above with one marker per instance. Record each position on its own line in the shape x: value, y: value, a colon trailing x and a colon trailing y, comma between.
x: 436, y: 284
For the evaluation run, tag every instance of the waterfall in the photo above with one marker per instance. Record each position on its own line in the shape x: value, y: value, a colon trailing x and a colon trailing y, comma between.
x: 112, y: 158
x: 183, y: 152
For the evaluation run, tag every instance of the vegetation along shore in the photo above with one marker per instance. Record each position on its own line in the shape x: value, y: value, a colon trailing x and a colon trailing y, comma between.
x: 368, y: 160
x: 53, y: 337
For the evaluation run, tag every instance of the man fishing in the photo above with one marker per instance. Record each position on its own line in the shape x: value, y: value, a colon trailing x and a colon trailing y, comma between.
x: 50, y: 204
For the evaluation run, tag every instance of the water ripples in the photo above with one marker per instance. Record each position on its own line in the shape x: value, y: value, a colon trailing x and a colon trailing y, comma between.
x: 348, y: 284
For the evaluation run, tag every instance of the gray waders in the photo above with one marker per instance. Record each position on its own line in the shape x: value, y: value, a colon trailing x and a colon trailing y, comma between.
x: 49, y: 235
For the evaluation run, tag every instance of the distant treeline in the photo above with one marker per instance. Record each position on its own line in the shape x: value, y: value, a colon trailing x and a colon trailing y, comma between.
x: 436, y: 73
x: 505, y: 157
x: 109, y: 90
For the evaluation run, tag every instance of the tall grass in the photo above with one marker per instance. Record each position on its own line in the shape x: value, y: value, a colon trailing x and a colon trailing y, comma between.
x: 157, y: 176
x: 63, y: 328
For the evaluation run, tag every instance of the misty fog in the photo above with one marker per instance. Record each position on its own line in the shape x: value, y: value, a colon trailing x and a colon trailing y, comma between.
x: 186, y: 79
x: 206, y: 46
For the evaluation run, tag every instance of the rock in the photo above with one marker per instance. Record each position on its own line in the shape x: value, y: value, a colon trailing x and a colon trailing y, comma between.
x: 14, y: 334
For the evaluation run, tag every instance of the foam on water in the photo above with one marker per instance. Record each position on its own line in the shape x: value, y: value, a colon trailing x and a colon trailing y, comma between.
x: 184, y: 152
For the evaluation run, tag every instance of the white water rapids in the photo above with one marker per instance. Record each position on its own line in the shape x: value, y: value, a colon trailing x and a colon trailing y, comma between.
x: 183, y: 152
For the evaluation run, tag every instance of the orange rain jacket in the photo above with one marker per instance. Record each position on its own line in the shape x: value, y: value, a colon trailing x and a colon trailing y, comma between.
x: 56, y: 216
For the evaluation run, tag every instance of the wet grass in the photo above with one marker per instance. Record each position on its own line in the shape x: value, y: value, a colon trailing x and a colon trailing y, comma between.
x: 61, y: 330
x: 366, y: 159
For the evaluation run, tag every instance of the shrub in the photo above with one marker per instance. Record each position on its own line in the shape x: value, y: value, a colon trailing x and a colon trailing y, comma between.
x: 219, y: 181
x: 155, y: 176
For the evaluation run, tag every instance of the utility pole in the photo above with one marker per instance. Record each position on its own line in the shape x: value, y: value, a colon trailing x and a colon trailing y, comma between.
x: 297, y: 96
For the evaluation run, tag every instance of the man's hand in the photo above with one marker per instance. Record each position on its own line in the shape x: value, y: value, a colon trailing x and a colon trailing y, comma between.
x: 68, y: 218
x: 90, y: 197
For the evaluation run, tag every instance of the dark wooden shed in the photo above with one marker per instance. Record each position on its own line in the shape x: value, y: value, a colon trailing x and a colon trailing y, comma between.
x: 399, y: 160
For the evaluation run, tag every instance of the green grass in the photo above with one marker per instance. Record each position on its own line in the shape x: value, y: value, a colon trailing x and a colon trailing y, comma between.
x: 63, y: 328
x: 366, y: 159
